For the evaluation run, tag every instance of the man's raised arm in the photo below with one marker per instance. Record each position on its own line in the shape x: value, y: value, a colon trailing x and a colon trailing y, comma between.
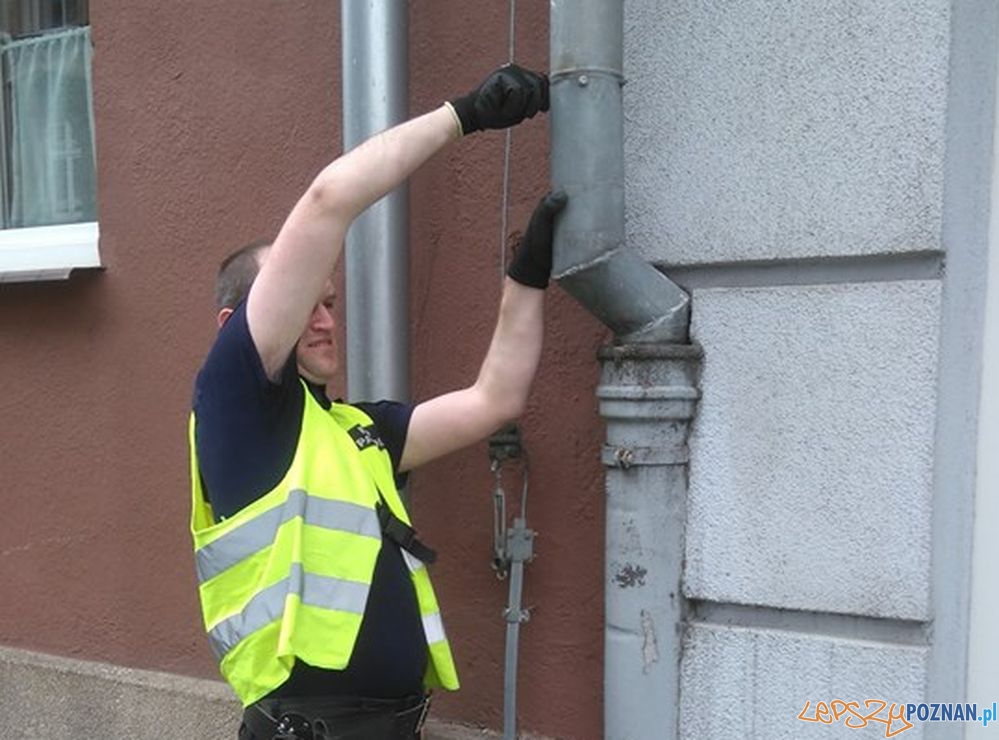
x: 308, y: 246
x: 499, y: 394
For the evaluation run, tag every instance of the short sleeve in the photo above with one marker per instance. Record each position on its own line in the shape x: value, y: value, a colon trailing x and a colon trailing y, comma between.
x: 391, y: 419
x: 247, y: 426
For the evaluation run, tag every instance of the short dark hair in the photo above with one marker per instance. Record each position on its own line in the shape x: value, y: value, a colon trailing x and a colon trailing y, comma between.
x: 237, y: 273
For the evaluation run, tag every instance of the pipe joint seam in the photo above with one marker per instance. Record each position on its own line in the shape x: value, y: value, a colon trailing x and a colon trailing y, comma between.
x: 648, y: 393
x: 634, y: 353
x: 671, y: 326
x: 582, y: 75
x: 600, y: 259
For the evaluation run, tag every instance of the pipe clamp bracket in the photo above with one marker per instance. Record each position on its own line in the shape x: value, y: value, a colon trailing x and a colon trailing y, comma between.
x: 614, y: 456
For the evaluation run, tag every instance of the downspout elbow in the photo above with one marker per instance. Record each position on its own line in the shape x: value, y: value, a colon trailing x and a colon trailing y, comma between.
x: 631, y: 297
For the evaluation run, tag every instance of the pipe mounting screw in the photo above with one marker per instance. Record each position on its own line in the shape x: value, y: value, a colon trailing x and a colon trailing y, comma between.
x: 624, y: 457
x: 584, y: 80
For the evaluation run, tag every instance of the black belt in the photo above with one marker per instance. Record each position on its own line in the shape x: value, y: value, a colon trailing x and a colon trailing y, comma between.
x: 308, y: 718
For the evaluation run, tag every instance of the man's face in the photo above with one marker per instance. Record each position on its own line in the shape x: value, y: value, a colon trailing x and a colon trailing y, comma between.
x: 316, y: 351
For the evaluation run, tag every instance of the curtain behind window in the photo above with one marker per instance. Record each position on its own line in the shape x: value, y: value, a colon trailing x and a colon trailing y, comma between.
x: 51, y: 150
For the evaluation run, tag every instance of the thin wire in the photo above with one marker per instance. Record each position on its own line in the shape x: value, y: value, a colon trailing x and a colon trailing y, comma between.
x: 523, y: 494
x: 506, y: 159
x: 513, y: 25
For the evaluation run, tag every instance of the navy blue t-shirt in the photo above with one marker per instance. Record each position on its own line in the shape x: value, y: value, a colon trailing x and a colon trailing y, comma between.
x: 246, y: 433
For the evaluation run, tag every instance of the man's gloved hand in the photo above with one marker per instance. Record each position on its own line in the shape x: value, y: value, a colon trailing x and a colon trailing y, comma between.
x: 532, y: 265
x: 505, y: 98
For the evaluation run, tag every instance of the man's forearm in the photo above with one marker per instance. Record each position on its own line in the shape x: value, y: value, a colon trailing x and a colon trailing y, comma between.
x: 499, y: 394
x: 508, y: 370
x: 372, y: 169
x: 512, y: 360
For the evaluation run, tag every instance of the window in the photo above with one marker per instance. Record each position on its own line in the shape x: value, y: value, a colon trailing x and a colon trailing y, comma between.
x: 48, y: 206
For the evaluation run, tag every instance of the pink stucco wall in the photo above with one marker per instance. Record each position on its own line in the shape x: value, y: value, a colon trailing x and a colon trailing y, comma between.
x: 211, y: 119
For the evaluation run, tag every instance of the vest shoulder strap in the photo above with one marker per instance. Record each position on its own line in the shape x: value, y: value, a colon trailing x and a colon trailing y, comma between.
x: 362, y: 430
x: 403, y: 535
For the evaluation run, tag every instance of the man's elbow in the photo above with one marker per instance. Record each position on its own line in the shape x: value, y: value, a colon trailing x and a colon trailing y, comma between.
x: 329, y: 194
x: 507, y: 409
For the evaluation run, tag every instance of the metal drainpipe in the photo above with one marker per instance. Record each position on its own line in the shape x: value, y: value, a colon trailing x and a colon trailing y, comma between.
x: 648, y: 395
x: 648, y: 391
x: 587, y: 144
x: 375, y: 42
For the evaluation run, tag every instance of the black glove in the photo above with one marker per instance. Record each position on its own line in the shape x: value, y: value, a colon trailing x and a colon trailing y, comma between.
x: 532, y: 265
x: 505, y: 98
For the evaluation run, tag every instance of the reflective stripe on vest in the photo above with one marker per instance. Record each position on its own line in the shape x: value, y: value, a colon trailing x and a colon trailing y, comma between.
x: 258, y: 533
x: 268, y: 605
x: 441, y: 670
x: 433, y: 625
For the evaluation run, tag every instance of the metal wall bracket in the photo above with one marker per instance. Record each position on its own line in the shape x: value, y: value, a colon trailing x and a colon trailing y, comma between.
x: 615, y: 456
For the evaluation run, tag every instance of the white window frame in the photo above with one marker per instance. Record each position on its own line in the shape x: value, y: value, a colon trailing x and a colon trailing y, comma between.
x: 48, y: 252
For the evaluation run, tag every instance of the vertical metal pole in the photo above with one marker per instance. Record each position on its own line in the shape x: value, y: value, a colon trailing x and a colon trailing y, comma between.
x: 375, y: 49
x: 4, y: 164
x: 519, y: 549
x: 513, y: 618
x: 648, y: 396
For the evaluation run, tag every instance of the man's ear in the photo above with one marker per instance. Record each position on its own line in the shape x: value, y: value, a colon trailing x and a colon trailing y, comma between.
x: 223, y: 316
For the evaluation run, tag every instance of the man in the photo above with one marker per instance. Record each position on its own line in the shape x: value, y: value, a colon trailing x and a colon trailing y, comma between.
x: 314, y: 588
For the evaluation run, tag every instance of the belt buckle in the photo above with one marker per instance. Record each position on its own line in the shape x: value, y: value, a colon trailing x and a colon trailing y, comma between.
x: 293, y: 727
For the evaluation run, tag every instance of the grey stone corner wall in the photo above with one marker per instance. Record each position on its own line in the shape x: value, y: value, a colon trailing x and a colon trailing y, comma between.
x: 771, y: 130
x: 44, y: 696
x: 802, y: 168
x: 812, y: 452
x: 811, y: 493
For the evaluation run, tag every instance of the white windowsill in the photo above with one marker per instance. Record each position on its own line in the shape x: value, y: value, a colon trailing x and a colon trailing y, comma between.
x: 47, y: 252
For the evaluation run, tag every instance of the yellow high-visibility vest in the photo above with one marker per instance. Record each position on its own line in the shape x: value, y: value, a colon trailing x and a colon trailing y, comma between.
x: 288, y: 576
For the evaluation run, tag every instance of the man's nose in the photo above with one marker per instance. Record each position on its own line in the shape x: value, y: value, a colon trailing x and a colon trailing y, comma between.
x: 322, y: 317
